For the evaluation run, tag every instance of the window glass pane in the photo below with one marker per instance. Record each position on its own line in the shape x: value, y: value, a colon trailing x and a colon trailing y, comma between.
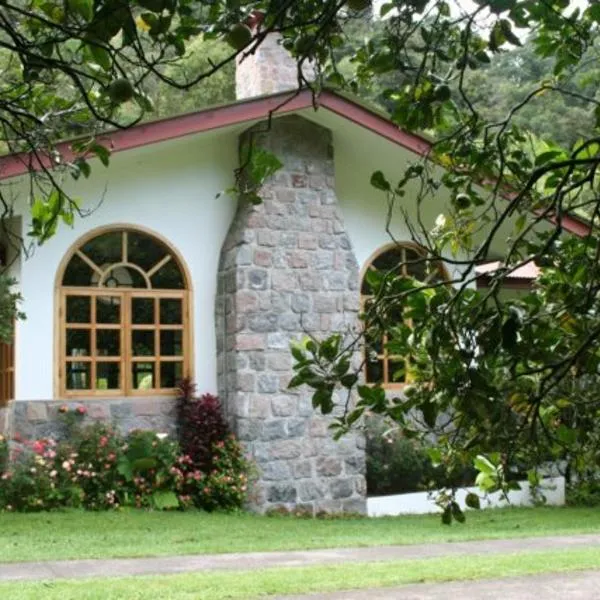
x: 78, y: 342
x: 171, y: 374
x: 108, y: 309
x: 124, y: 277
x: 171, y: 311
x: 416, y: 266
x: 78, y: 309
x: 389, y: 260
x: 105, y: 249
x: 78, y: 273
x: 144, y: 251
x: 78, y: 376
x: 375, y: 371
x: 107, y: 376
x: 143, y: 375
x: 171, y: 342
x: 108, y: 342
x: 168, y: 277
x: 142, y: 342
x: 142, y: 311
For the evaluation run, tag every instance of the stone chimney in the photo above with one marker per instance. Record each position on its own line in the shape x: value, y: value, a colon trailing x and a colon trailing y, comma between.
x: 270, y: 69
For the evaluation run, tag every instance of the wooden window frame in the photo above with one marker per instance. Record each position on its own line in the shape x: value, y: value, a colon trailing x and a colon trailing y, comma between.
x: 126, y: 326
x: 385, y: 357
x: 7, y: 373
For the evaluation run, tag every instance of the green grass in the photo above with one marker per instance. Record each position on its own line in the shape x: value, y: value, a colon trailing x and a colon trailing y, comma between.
x: 56, y: 536
x: 233, y: 585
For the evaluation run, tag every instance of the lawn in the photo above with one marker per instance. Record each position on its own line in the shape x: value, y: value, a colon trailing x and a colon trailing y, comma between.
x: 233, y: 585
x: 56, y: 536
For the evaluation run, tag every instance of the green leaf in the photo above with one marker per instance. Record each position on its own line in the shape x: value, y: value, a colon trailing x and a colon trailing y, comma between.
x: 457, y: 513
x: 330, y: 347
x: 297, y: 351
x: 447, y: 515
x: 102, y: 152
x: 379, y: 182
x: 83, y: 8
x: 100, y: 56
x: 507, y: 31
x: 144, y: 101
x: 142, y: 465
x: 349, y: 380
x: 164, y: 500
x: 472, y: 500
x: 483, y: 465
x: 124, y: 469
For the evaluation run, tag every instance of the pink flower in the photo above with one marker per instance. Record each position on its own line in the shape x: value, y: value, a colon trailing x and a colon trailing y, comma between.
x: 66, y: 465
x: 81, y: 410
x: 38, y: 446
x: 103, y: 441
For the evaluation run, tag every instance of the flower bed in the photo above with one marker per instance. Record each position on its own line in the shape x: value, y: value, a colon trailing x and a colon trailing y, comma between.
x: 97, y: 468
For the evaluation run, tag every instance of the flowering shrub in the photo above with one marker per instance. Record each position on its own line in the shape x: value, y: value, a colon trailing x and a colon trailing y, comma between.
x: 3, y: 454
x: 215, y: 470
x: 99, y: 469
x: 97, y: 450
x: 201, y: 425
x: 146, y: 463
x: 41, y: 479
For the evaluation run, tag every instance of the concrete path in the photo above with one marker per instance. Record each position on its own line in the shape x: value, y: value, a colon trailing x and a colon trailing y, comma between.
x: 72, y: 569
x: 578, y: 585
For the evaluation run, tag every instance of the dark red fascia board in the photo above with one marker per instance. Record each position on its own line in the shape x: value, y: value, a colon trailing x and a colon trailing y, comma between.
x: 507, y: 283
x: 219, y: 117
x: 256, y: 109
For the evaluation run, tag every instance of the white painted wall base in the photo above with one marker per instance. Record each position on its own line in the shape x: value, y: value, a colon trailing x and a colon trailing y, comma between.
x: 420, y: 503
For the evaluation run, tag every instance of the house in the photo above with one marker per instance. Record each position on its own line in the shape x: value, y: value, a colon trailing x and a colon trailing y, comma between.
x: 165, y: 278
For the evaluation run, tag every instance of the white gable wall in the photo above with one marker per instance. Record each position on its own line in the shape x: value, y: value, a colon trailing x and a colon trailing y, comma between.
x: 169, y: 188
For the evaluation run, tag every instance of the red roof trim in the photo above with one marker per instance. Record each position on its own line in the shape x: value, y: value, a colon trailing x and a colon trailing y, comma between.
x: 235, y: 114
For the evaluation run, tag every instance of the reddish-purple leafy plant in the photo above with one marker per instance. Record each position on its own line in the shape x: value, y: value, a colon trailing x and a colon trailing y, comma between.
x: 201, y: 425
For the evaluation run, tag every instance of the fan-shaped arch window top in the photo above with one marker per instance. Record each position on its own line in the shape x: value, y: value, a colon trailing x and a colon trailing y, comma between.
x: 123, y: 317
x: 124, y: 259
x: 399, y: 259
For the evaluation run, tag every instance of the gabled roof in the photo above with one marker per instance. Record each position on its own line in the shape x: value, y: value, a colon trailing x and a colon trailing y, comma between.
x: 236, y: 113
x: 246, y: 111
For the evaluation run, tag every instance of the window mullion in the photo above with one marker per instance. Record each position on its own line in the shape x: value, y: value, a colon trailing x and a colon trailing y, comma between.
x: 157, y: 342
x: 126, y: 343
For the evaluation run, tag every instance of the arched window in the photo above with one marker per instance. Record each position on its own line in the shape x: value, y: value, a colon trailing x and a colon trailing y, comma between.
x: 409, y: 260
x: 123, y: 317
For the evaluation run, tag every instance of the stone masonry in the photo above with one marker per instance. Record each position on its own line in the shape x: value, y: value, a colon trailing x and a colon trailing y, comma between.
x: 268, y: 70
x: 287, y: 267
x: 35, y: 419
x: 5, y: 420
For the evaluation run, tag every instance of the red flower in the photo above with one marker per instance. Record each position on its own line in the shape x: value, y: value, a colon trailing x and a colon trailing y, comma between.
x: 81, y: 410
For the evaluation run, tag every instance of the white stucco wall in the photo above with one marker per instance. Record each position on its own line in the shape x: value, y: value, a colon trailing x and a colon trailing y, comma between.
x: 169, y: 188
x: 358, y: 153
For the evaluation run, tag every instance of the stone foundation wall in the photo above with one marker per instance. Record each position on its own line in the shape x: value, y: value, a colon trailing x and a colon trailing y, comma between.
x: 5, y: 420
x: 287, y: 269
x: 39, y: 419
